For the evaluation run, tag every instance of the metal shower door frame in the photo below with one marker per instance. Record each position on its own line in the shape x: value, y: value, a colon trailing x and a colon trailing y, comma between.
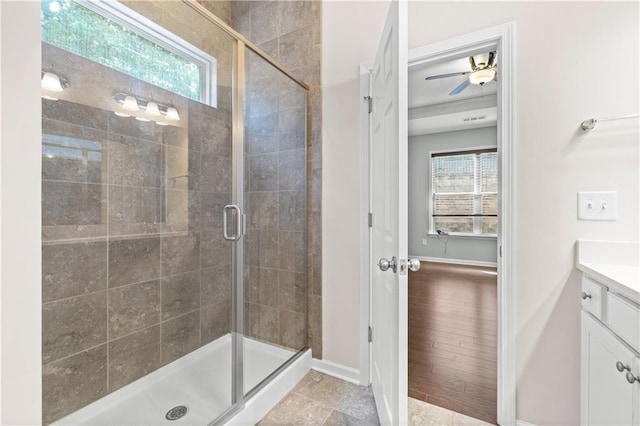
x: 238, y: 396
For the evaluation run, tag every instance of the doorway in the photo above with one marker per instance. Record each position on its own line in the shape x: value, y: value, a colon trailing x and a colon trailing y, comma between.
x: 453, y: 220
x: 499, y: 39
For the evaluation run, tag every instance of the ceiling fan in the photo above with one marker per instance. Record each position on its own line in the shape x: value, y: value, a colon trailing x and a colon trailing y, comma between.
x: 481, y: 72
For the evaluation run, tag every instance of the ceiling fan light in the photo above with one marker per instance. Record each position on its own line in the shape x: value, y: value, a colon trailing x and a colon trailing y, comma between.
x: 482, y: 76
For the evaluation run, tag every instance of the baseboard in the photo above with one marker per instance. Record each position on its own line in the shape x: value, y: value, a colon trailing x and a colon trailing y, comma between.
x: 523, y: 423
x: 455, y: 261
x: 336, y: 370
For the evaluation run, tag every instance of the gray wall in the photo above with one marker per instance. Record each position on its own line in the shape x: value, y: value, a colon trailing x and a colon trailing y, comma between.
x: 134, y: 270
x: 458, y: 248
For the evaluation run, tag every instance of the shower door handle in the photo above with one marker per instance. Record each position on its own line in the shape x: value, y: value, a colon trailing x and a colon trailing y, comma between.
x: 238, y: 231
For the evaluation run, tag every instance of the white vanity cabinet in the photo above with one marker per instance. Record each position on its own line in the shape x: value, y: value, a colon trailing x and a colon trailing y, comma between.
x: 610, y: 388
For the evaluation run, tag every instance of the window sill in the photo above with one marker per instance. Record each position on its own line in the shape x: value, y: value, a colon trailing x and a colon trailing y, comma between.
x: 468, y: 236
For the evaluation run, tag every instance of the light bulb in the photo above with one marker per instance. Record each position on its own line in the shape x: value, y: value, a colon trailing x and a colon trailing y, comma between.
x: 152, y: 109
x: 482, y: 76
x: 130, y: 103
x: 142, y: 119
x: 51, y: 81
x: 172, y: 114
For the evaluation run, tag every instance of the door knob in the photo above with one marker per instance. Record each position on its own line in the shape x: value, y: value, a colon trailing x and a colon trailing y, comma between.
x: 413, y: 264
x: 631, y: 378
x: 585, y: 295
x: 385, y: 264
x: 621, y: 367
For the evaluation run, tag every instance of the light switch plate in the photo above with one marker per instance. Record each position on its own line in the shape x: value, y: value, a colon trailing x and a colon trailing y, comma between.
x: 601, y: 205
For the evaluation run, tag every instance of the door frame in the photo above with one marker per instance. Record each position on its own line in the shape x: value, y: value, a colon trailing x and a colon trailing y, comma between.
x: 501, y: 37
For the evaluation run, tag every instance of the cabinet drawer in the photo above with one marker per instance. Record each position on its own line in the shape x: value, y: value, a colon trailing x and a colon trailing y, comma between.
x: 623, y: 318
x: 593, y: 296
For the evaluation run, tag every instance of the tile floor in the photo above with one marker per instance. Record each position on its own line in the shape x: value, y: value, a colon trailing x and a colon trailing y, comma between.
x: 320, y: 399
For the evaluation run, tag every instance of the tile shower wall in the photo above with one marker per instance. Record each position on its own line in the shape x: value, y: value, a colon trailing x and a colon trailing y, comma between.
x: 290, y: 31
x: 135, y: 271
x: 276, y: 207
x: 132, y: 248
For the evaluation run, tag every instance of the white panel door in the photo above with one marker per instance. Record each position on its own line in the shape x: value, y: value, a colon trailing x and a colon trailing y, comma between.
x: 389, y: 208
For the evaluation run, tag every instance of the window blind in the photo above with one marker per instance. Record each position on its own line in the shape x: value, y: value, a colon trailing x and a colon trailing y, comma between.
x: 465, y: 191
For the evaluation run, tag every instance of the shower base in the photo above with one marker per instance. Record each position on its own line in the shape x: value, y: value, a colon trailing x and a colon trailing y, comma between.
x: 201, y: 381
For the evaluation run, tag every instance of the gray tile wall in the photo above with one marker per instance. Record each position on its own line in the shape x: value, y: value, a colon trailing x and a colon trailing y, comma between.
x: 290, y: 31
x: 135, y: 271
x: 137, y: 292
x: 276, y: 206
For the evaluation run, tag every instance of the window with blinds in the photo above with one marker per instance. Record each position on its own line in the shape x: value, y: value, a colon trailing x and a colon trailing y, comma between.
x: 464, y: 192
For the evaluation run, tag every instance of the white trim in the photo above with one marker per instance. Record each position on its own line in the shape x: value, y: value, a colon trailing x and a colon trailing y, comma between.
x: 501, y: 37
x: 455, y: 261
x: 464, y: 236
x: 523, y: 423
x: 149, y: 30
x: 365, y: 232
x: 337, y: 370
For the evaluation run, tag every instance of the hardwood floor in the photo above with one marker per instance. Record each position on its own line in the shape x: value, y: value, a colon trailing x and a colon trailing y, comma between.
x: 453, y: 338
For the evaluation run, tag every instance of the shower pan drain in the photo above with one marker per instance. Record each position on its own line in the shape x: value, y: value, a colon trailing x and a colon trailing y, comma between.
x: 177, y: 412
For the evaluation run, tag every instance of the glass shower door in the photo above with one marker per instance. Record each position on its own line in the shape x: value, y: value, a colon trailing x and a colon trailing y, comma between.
x: 275, y: 204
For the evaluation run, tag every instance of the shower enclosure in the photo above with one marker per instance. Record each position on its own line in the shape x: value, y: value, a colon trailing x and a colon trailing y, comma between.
x: 174, y: 213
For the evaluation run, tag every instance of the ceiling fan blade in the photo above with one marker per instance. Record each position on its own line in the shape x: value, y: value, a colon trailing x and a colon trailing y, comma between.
x: 453, y: 74
x: 460, y: 88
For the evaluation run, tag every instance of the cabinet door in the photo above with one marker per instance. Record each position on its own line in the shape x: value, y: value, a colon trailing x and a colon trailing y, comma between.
x: 607, y: 396
x: 636, y: 391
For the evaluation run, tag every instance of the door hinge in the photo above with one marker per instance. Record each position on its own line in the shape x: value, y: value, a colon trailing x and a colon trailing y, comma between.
x: 370, y: 334
x: 370, y: 220
x: 369, y: 100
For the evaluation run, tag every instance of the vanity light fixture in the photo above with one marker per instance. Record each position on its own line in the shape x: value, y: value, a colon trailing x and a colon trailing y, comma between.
x: 145, y: 109
x: 172, y: 114
x: 52, y: 82
x: 130, y: 103
x: 152, y: 109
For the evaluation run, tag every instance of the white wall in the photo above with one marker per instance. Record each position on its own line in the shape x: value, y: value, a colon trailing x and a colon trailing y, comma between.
x: 20, y: 291
x: 474, y: 249
x: 347, y: 30
x: 575, y: 60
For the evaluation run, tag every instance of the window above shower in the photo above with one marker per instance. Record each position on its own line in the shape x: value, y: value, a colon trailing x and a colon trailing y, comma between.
x: 115, y: 36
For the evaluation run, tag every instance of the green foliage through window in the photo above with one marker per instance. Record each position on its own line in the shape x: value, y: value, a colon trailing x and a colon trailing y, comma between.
x: 73, y: 27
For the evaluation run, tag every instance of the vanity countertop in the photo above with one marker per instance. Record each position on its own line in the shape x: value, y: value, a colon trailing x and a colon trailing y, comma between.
x: 615, y: 264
